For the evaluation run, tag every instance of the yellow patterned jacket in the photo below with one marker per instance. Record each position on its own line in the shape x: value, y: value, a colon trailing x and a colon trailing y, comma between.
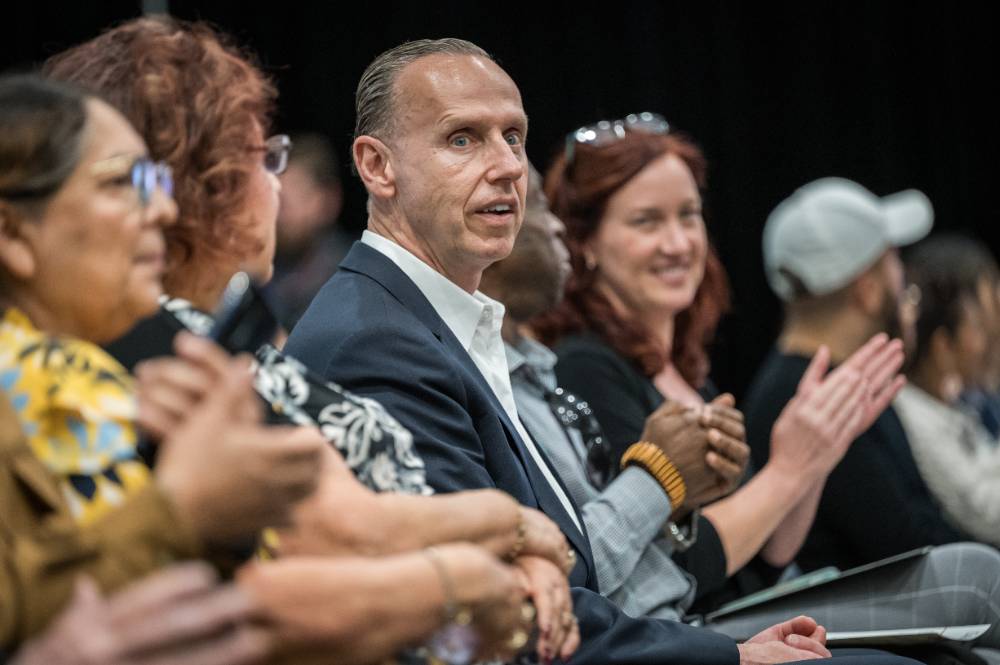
x: 43, y: 549
x: 77, y: 406
x: 43, y: 545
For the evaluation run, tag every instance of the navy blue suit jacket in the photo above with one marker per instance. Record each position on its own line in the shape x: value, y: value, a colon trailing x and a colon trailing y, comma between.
x: 371, y: 330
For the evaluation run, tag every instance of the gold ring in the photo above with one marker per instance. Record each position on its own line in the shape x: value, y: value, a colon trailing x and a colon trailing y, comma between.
x: 528, y: 612
x: 517, y: 639
x: 570, y: 558
x: 568, y: 618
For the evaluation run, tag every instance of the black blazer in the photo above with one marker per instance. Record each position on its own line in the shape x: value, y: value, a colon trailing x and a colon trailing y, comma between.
x: 371, y: 330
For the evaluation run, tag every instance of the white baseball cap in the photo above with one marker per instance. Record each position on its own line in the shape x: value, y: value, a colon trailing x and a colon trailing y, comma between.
x: 830, y: 231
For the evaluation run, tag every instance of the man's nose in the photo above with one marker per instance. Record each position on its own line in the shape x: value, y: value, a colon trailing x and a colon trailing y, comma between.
x: 506, y: 164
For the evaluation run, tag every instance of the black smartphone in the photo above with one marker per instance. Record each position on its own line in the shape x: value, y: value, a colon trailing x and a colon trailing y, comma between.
x: 243, y: 320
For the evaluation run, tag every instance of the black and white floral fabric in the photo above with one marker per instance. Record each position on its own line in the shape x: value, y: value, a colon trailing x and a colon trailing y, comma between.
x: 376, y: 447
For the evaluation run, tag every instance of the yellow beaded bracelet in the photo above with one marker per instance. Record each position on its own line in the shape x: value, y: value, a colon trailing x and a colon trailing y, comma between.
x: 656, y: 463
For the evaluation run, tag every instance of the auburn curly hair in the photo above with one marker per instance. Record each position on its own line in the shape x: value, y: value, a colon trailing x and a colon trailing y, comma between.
x: 194, y: 97
x: 579, y: 193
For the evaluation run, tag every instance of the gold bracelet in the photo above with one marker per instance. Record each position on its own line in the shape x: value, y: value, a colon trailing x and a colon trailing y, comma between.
x: 656, y: 463
x: 453, y: 612
x: 522, y: 535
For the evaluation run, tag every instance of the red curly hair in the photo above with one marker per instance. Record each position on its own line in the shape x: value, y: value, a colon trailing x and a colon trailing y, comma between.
x: 579, y: 193
x: 194, y: 98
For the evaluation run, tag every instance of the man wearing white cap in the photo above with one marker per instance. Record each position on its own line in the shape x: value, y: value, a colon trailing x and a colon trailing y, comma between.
x: 830, y: 251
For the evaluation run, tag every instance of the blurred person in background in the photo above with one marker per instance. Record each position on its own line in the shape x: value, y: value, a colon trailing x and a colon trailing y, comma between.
x: 830, y: 251
x: 956, y: 280
x: 311, y: 244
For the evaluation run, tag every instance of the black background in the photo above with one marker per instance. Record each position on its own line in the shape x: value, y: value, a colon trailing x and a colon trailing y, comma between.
x: 893, y: 95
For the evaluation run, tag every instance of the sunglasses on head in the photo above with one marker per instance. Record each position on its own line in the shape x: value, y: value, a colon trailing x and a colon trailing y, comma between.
x: 606, y: 132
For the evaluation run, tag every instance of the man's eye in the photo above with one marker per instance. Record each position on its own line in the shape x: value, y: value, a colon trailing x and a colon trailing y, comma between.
x: 514, y: 138
x: 460, y: 141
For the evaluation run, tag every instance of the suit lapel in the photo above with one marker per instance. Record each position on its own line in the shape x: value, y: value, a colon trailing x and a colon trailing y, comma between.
x: 372, y: 263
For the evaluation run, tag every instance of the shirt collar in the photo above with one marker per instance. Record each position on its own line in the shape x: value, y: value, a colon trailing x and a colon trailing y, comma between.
x: 462, y: 312
x: 536, y: 357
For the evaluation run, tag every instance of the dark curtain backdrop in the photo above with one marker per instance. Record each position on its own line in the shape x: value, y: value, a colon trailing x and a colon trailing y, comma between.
x: 893, y: 95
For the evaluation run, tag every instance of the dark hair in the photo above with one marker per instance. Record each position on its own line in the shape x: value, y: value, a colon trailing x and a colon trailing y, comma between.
x: 193, y: 96
x: 374, y: 98
x: 579, y: 192
x: 41, y: 130
x: 948, y: 269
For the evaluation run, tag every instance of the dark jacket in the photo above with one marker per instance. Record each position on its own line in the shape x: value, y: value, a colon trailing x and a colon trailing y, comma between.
x: 371, y: 330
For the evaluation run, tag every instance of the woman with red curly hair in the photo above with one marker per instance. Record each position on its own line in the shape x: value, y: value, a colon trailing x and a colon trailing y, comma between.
x: 205, y: 109
x: 640, y: 309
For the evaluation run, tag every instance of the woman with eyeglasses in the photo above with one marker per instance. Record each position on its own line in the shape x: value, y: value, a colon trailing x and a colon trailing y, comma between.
x: 640, y: 308
x: 203, y: 107
x: 82, y: 214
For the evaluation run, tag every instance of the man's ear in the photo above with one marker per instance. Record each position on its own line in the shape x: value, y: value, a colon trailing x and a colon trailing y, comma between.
x: 17, y: 255
x: 868, y: 292
x: 372, y: 160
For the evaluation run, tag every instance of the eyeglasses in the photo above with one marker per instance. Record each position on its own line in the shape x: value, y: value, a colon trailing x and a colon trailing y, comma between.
x: 275, y: 151
x: 607, y: 132
x: 145, y: 174
x: 910, y: 298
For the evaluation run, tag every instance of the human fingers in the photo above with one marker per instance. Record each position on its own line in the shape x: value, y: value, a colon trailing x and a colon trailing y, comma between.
x: 724, y: 418
x: 148, y: 594
x: 733, y: 448
x: 829, y: 397
x: 804, y: 643
x: 181, y: 374
x: 186, y: 619
x: 800, y: 625
x: 565, y: 616
x: 300, y: 455
x: 851, y: 409
x: 162, y: 408
x: 544, y: 539
x: 668, y: 408
x: 228, y: 400
x: 550, y: 593
x: 572, y: 641
x: 886, y: 364
x: 203, y: 353
x: 239, y: 646
x: 870, y: 349
x: 728, y: 473
x: 725, y: 399
x: 815, y: 372
x: 880, y: 401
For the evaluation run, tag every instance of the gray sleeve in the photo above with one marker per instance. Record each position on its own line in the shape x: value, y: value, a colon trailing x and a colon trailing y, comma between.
x: 621, y: 523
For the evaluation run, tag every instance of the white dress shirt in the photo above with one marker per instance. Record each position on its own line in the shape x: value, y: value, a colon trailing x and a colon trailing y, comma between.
x: 475, y: 320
